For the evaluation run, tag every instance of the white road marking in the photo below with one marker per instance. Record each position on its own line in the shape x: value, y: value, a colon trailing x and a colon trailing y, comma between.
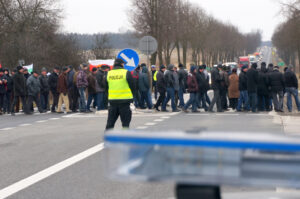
x: 165, y: 117
x: 22, y: 125
x: 159, y: 120
x: 8, y: 128
x: 227, y: 114
x: 198, y: 114
x: 150, y: 124
x: 55, y: 118
x: 41, y: 121
x: 23, y: 184
x: 142, y: 127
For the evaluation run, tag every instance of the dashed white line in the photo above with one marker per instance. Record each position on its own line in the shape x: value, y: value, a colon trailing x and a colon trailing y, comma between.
x: 8, y: 128
x: 165, y: 117
x: 23, y: 184
x: 159, y: 120
x: 142, y: 127
x: 228, y: 114
x: 150, y: 124
x: 198, y: 114
x: 41, y: 121
x: 56, y: 118
x: 23, y: 125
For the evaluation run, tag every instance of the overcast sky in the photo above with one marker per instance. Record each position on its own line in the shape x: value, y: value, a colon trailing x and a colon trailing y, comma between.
x: 93, y: 16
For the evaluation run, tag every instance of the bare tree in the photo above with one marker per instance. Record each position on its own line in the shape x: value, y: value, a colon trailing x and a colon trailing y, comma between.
x: 102, y: 49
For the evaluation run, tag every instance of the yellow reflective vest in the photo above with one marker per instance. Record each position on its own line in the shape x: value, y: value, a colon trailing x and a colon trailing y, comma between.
x: 118, y: 87
x: 155, y: 76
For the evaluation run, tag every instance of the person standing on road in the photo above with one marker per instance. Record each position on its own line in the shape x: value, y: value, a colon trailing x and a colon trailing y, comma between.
x: 291, y: 88
x: 53, y: 81
x: 207, y: 84
x: 262, y: 89
x: 9, y: 91
x: 33, y: 90
x: 44, y: 95
x: 100, y: 87
x: 144, y: 87
x: 243, y: 99
x: 276, y: 80
x: 120, y: 88
x: 193, y: 89
x: 136, y: 95
x: 3, y: 86
x: 269, y: 72
x: 202, y: 88
x: 62, y: 89
x: 216, y: 86
x: 176, y: 86
x: 224, y: 88
x: 154, y: 80
x: 233, y: 89
x: 82, y: 84
x: 73, y: 93
x: 252, y: 82
x: 161, y: 87
x: 170, y: 88
x: 92, y: 93
x: 182, y: 75
x: 19, y: 90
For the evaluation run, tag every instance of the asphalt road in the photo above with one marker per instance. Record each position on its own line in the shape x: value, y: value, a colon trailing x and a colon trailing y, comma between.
x: 30, y: 144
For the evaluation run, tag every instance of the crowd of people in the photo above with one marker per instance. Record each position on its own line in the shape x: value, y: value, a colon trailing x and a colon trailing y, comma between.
x: 80, y: 90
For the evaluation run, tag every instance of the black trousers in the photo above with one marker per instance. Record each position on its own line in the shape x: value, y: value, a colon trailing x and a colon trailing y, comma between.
x: 223, y: 94
x: 116, y: 110
x: 73, y: 95
x: 1, y: 102
x: 55, y: 96
x: 233, y: 102
x: 37, y: 101
x: 216, y: 100
x: 16, y: 100
x: 161, y: 99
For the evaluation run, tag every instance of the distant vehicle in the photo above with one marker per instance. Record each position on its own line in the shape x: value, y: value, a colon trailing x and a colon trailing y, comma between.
x: 252, y: 59
x: 244, y: 61
x: 231, y: 64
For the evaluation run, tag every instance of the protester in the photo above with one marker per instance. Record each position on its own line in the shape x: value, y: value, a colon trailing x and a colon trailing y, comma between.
x: 276, y: 81
x: 161, y: 87
x: 170, y: 88
x: 44, y: 95
x: 216, y: 86
x: 8, y: 93
x: 154, y: 80
x: 136, y: 95
x: 192, y: 89
x: 3, y: 83
x: 100, y: 87
x: 291, y: 88
x: 233, y: 89
x: 73, y: 93
x: 252, y: 83
x: 262, y: 89
x: 144, y: 87
x: 19, y: 90
x: 92, y: 92
x: 53, y: 82
x: 82, y: 84
x: 33, y: 90
x: 243, y: 101
x: 224, y: 88
x: 176, y: 86
x: 182, y: 75
x: 202, y: 88
x: 62, y: 89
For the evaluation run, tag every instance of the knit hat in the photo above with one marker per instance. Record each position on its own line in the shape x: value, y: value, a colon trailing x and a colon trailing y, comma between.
x: 34, y: 71
x: 65, y: 68
x: 94, y: 69
x: 162, y: 67
x: 119, y: 62
x: 244, y: 67
x: 153, y: 66
x: 193, y: 68
x: 57, y: 68
x: 276, y: 67
x: 201, y: 67
x: 181, y: 66
x: 44, y: 69
x: 19, y: 68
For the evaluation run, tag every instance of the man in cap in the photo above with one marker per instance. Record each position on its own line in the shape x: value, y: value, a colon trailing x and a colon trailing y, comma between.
x: 252, y: 83
x: 277, y: 83
x: 33, y: 90
x: 120, y: 88
x: 243, y: 99
x: 154, y: 80
x: 52, y: 81
x: 19, y: 90
x: 62, y: 89
x: 44, y: 82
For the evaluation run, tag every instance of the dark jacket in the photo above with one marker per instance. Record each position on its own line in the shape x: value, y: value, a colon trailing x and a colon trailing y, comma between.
x: 243, y: 81
x: 53, y: 81
x: 192, y: 83
x: 130, y: 83
x: 144, y: 84
x: 100, y: 77
x: 44, y: 82
x: 161, y: 84
x: 91, y: 84
x: 62, y: 86
x: 176, y: 81
x: 182, y: 75
x: 169, y: 77
x: 70, y: 80
x: 252, y: 80
x: 201, y: 81
x: 3, y: 85
x: 276, y: 81
x: 290, y: 79
x: 9, y: 84
x: 19, y: 84
x: 262, y: 87
x: 33, y: 86
x: 215, y: 79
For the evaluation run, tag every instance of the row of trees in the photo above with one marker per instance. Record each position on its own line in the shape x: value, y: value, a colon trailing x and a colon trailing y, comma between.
x: 28, y: 31
x: 287, y: 35
x: 185, y: 27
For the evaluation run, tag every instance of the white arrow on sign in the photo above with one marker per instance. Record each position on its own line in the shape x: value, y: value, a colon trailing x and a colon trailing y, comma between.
x: 130, y: 62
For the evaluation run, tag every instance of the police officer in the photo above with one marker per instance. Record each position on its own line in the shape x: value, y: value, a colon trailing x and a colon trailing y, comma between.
x: 120, y: 88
